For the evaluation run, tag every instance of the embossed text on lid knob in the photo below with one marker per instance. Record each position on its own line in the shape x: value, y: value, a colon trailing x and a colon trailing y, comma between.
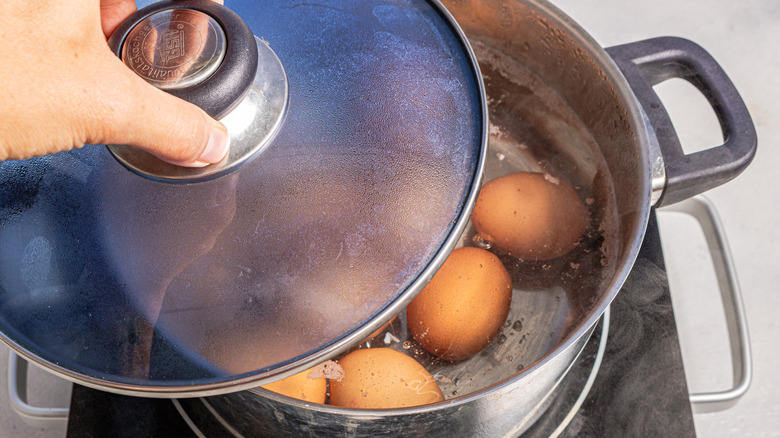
x: 216, y: 83
x: 175, y: 48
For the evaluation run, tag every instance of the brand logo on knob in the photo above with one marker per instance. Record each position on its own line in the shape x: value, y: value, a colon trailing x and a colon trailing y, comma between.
x: 172, y: 46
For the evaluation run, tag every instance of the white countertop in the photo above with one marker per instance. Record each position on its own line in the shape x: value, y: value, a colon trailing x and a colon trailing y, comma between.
x: 743, y: 37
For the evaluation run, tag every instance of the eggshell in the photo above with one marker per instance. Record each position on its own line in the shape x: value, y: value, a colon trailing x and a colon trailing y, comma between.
x: 534, y: 216
x: 382, y: 378
x: 301, y: 386
x: 463, y: 307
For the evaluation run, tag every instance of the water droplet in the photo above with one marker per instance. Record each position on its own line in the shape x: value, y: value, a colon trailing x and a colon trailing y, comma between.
x: 518, y: 325
x: 407, y: 345
x: 501, y: 339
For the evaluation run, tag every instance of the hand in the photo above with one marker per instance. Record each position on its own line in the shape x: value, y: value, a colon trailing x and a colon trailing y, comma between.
x: 62, y: 87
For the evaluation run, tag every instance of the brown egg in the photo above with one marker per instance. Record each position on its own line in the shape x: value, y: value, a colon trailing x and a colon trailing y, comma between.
x: 382, y: 378
x: 301, y: 386
x: 463, y: 307
x: 530, y: 215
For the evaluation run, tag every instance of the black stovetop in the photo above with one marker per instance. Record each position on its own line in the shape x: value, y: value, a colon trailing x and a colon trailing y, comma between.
x: 640, y: 389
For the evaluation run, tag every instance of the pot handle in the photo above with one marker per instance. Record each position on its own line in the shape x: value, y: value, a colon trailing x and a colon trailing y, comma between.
x: 649, y: 62
x: 701, y: 209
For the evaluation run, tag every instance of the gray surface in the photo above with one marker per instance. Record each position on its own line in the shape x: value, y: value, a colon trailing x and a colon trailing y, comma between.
x: 742, y: 37
x: 45, y: 390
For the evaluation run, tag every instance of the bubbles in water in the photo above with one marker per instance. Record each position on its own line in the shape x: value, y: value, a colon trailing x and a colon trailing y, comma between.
x: 501, y: 339
x: 518, y: 325
x: 407, y: 345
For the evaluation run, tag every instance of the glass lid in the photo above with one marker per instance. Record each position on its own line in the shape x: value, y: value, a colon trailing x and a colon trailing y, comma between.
x: 145, y: 287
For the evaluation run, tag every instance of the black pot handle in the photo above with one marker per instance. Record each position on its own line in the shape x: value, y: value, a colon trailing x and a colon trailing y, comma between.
x: 649, y: 62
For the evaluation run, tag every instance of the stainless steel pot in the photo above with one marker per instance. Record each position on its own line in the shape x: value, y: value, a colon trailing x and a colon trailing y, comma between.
x: 554, y: 91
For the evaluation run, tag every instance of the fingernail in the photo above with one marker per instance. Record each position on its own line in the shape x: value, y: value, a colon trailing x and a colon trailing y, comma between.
x: 218, y: 145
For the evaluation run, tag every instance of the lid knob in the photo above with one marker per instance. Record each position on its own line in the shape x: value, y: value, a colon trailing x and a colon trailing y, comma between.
x: 175, y: 49
x: 204, y: 53
x: 197, y: 50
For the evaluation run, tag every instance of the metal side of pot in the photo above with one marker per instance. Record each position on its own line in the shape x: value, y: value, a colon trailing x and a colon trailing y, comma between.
x: 634, y: 140
x: 504, y: 412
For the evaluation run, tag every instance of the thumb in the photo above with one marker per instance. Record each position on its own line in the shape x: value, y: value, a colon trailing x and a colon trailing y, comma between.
x: 170, y: 128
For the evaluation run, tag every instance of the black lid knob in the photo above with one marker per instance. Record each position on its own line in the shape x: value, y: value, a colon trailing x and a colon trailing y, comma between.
x: 197, y: 50
x: 204, y: 53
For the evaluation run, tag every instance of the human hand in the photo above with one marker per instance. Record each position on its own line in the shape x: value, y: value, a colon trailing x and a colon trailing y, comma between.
x: 63, y: 88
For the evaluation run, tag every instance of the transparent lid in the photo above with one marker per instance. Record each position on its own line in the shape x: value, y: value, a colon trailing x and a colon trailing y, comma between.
x: 139, y: 286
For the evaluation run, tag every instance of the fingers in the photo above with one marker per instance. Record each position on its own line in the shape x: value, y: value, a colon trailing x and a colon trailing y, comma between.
x: 136, y: 113
x: 113, y: 12
x: 171, y: 129
x: 64, y: 88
